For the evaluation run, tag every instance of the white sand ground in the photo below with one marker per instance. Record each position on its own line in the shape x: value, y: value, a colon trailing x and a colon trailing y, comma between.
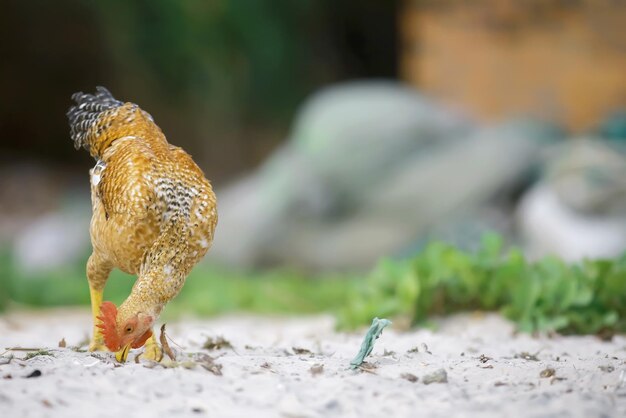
x: 263, y: 377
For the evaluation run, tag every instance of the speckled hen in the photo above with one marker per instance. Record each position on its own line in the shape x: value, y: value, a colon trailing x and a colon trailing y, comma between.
x: 154, y: 215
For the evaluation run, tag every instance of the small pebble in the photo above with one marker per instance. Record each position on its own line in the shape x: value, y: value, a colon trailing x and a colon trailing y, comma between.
x: 438, y: 376
x: 410, y: 377
x: 316, y: 369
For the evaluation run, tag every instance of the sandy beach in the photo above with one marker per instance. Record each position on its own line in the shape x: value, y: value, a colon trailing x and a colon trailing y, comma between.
x: 472, y: 365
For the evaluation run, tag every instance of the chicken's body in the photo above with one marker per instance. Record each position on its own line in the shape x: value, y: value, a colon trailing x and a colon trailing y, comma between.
x: 154, y: 214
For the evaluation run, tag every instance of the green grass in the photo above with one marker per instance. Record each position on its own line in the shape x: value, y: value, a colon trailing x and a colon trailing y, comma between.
x: 589, y: 297
x: 209, y: 290
x: 548, y: 295
x: 213, y: 291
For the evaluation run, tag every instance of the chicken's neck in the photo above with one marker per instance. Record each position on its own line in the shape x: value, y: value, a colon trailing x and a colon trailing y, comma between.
x: 146, y: 297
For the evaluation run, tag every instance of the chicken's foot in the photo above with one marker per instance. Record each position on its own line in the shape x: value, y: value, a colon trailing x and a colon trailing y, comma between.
x: 153, y: 351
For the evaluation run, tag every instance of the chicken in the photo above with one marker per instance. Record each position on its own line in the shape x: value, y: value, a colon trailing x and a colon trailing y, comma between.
x: 154, y: 216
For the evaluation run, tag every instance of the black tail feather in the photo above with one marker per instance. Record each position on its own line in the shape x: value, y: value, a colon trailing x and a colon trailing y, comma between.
x: 87, y: 110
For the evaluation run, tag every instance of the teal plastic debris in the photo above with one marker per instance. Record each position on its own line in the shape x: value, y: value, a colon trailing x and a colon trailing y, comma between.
x: 368, y: 342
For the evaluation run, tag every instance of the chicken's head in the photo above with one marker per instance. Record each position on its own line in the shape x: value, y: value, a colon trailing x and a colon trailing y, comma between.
x: 121, y: 334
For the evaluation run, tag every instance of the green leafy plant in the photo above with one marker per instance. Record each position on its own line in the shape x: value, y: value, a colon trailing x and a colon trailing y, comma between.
x: 547, y: 295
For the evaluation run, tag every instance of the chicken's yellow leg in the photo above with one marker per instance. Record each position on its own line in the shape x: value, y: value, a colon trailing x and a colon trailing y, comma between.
x: 153, y: 350
x: 97, y: 341
x: 97, y: 274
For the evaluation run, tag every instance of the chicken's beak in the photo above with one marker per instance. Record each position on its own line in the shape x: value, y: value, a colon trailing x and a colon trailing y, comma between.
x: 123, y: 353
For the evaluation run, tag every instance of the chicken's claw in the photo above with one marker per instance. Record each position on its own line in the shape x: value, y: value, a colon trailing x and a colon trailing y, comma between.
x: 97, y: 345
x: 152, y: 351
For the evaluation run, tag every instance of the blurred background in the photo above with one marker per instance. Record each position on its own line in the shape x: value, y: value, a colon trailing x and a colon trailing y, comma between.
x: 335, y: 133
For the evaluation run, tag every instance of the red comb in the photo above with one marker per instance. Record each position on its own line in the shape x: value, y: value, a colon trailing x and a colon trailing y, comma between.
x: 108, y: 315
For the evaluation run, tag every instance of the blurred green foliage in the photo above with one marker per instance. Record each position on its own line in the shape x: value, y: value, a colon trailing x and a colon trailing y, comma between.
x: 207, y: 291
x: 4, y: 279
x: 548, y: 295
x: 222, y: 78
x: 242, y: 56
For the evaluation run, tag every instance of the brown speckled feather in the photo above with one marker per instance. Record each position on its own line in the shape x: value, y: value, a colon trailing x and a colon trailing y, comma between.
x: 154, y: 212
